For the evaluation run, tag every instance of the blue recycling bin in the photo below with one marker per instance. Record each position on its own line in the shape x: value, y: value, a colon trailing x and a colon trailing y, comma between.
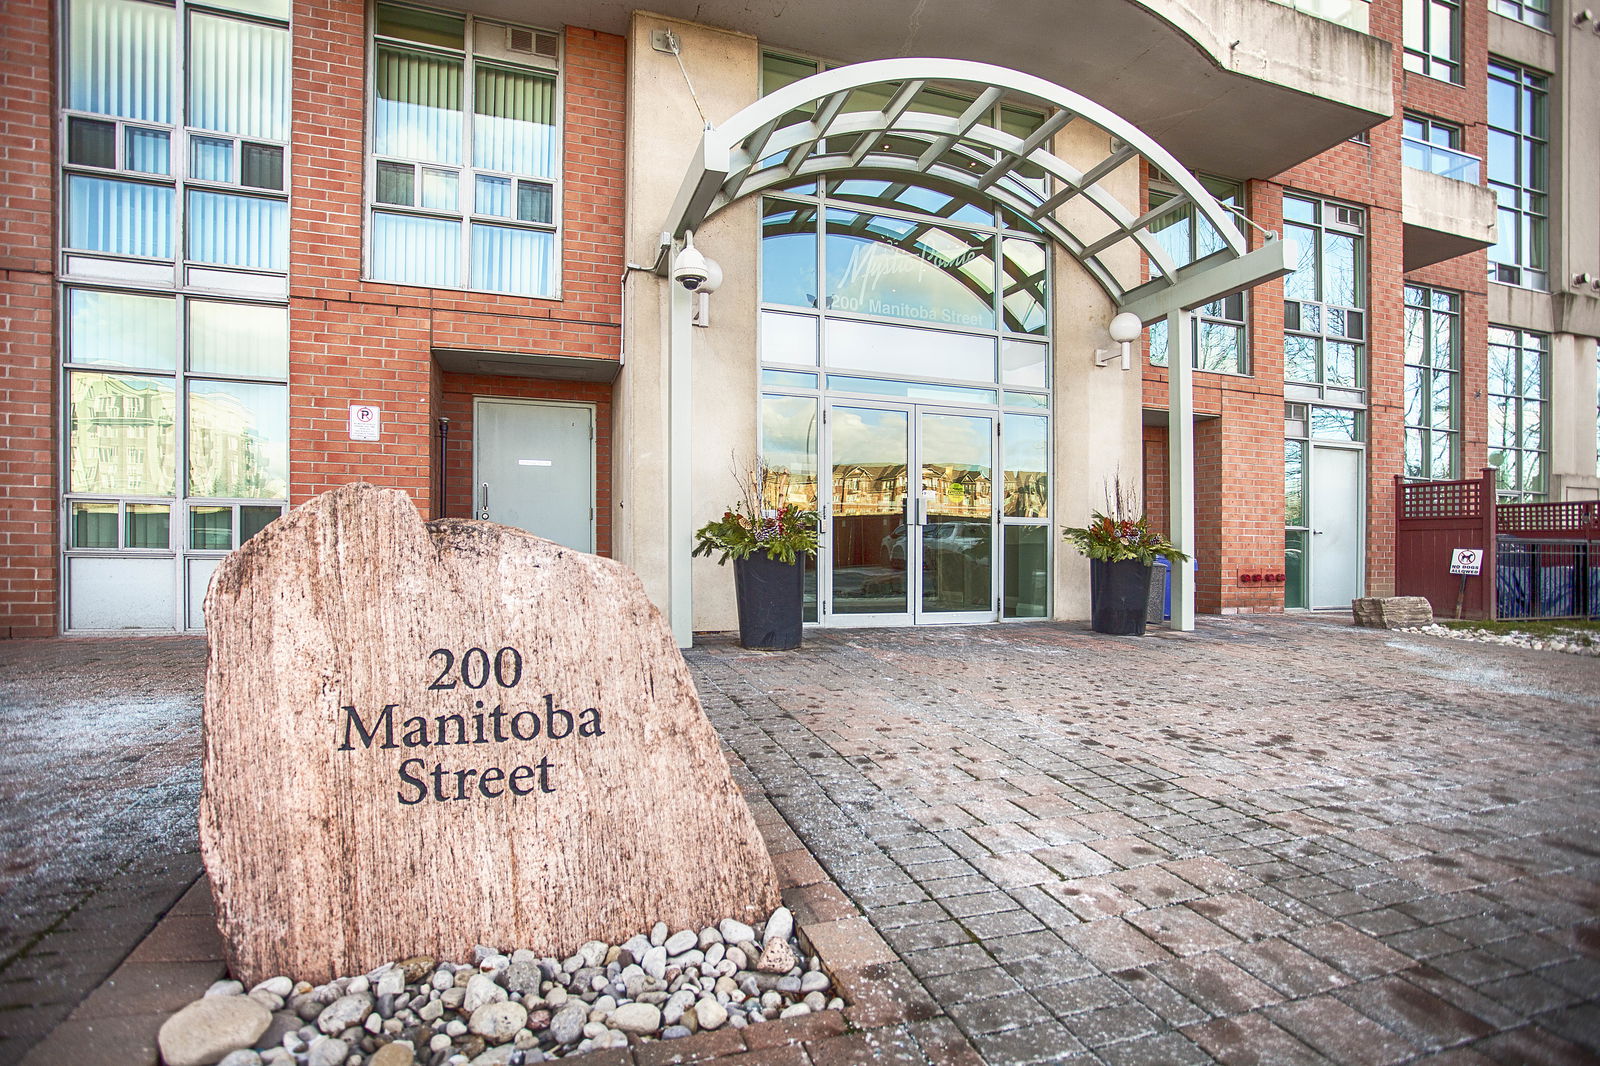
x: 1162, y: 578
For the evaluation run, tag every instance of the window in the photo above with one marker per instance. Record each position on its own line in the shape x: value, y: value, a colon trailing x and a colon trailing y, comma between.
x: 1324, y: 317
x: 1432, y: 384
x: 464, y: 154
x: 1219, y: 335
x: 1535, y: 13
x: 1518, y: 399
x: 1433, y: 38
x: 1435, y: 146
x: 175, y: 400
x: 1519, y: 174
x: 159, y: 170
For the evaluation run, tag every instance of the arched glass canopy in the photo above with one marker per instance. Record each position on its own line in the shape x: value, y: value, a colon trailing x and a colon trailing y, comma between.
x: 872, y: 120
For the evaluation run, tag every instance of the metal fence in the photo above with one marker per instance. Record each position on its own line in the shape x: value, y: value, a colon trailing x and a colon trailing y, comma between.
x: 1547, y: 578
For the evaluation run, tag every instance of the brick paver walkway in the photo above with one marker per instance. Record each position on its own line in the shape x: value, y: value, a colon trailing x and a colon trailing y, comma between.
x: 1277, y: 840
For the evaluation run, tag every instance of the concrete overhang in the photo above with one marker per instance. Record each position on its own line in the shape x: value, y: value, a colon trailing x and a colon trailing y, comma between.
x: 526, y: 365
x: 1241, y: 88
x: 1443, y: 217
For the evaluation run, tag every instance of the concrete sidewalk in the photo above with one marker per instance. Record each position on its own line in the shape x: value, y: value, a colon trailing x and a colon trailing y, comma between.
x: 1277, y: 839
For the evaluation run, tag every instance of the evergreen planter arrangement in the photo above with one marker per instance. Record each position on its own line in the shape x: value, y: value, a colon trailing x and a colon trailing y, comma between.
x: 768, y: 547
x: 1122, y: 549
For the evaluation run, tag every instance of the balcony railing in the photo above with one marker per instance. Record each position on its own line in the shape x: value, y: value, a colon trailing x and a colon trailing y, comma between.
x: 1435, y: 159
x: 1351, y: 14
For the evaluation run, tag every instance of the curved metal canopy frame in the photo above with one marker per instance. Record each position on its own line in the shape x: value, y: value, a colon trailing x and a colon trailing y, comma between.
x: 864, y: 120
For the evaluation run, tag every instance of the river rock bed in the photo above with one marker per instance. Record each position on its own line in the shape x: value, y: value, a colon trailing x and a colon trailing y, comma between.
x: 510, y: 1009
x: 1571, y: 641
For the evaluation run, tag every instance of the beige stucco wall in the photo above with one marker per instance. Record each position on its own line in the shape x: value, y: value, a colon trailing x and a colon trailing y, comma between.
x: 1097, y: 420
x: 664, y: 128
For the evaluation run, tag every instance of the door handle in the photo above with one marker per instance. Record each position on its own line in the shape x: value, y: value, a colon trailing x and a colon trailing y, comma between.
x: 483, y: 513
x: 1316, y: 532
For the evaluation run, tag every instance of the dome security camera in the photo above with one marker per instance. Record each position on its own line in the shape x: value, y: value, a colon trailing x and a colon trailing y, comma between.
x: 690, y: 269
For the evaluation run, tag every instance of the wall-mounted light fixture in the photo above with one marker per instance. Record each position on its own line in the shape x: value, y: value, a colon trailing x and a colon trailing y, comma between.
x: 1124, y: 329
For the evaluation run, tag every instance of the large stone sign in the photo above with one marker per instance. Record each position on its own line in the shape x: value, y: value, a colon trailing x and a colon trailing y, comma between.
x: 423, y: 737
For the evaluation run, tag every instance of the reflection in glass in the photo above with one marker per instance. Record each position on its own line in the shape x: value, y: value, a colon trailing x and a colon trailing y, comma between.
x: 913, y: 390
x: 238, y: 440
x: 211, y: 528
x: 789, y: 379
x: 789, y: 253
x: 925, y: 271
x: 94, y: 525
x: 148, y: 526
x: 1027, y: 571
x: 249, y: 340
x: 1294, y: 483
x: 868, y: 536
x: 1329, y: 423
x: 122, y: 328
x: 123, y: 434
x: 1027, y: 487
x: 957, y: 487
x: 1294, y: 568
x: 789, y: 458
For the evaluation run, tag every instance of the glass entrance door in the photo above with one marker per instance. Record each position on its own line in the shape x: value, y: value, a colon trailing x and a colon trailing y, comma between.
x: 911, y: 516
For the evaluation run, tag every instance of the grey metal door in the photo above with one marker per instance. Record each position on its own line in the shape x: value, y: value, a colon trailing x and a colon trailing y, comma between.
x: 1334, y: 509
x: 533, y: 468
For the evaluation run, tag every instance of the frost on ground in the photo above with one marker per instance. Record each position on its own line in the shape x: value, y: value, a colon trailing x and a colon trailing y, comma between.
x: 1573, y: 641
x: 99, y: 775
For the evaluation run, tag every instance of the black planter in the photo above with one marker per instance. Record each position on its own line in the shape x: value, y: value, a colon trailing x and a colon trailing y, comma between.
x: 771, y: 595
x: 1119, y: 595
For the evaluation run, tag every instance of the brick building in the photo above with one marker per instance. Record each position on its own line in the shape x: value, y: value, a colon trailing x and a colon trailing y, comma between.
x: 256, y: 249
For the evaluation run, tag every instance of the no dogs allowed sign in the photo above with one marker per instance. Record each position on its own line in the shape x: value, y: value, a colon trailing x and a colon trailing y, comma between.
x: 1466, y: 561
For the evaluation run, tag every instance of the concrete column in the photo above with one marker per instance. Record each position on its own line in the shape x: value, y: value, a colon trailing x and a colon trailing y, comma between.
x: 1180, y: 463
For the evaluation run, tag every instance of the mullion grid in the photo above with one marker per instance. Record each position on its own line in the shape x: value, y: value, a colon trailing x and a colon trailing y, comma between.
x: 1519, y: 399
x: 1428, y: 313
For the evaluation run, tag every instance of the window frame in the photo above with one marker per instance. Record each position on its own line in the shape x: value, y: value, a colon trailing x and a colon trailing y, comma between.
x: 1524, y: 342
x: 1318, y: 391
x: 1532, y: 229
x: 1232, y: 199
x: 1426, y: 434
x: 1526, y: 12
x: 466, y: 216
x: 1419, y: 25
x: 180, y: 178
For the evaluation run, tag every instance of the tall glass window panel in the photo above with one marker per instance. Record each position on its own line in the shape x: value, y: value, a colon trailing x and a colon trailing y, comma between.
x: 1219, y: 327
x: 1433, y: 38
x: 1026, y: 574
x: 896, y: 268
x: 1324, y: 317
x: 789, y: 253
x: 1518, y: 164
x: 1023, y: 300
x: 410, y: 250
x: 122, y: 329
x: 238, y: 231
x: 513, y: 122
x: 789, y: 444
x: 119, y: 217
x: 244, y: 340
x: 238, y: 77
x: 1027, y: 482
x: 238, y: 440
x: 123, y: 434
x: 1432, y: 373
x: 417, y: 114
x: 120, y: 59
x: 1024, y: 364
x: 1518, y: 406
x: 519, y: 261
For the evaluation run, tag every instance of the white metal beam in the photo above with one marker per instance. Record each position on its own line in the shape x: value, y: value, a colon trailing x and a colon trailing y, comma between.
x: 1180, y: 464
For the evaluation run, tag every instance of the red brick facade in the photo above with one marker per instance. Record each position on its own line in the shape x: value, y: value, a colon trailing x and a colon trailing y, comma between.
x: 28, y: 414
